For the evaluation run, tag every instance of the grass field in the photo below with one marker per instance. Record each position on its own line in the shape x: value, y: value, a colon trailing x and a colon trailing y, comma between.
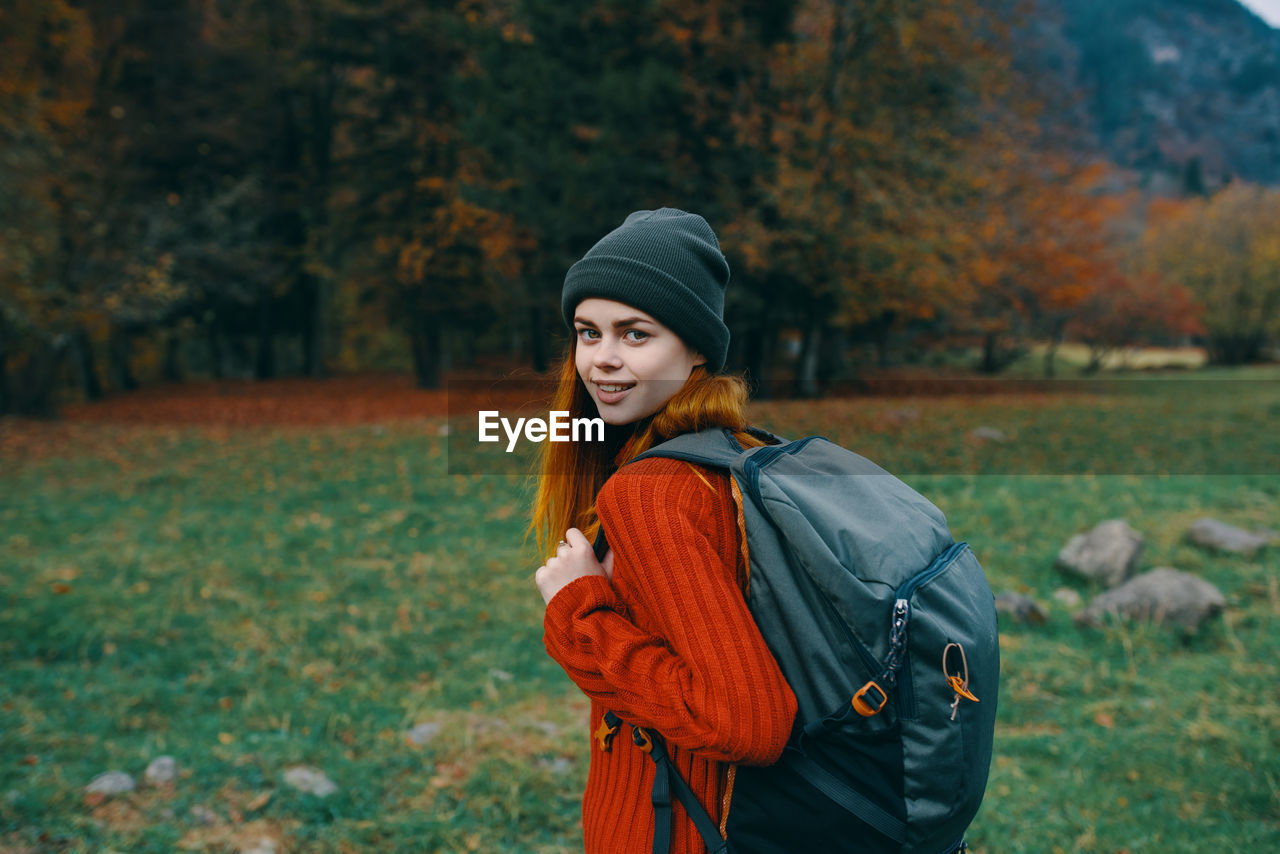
x: 254, y: 599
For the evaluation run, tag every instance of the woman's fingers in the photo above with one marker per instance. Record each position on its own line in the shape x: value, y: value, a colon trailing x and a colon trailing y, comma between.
x: 576, y: 538
x: 574, y: 559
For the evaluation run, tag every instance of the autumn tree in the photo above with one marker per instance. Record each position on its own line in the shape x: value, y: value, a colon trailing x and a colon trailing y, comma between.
x: 1039, y: 245
x: 595, y: 109
x: 113, y: 157
x: 420, y: 238
x: 1226, y: 250
x: 1131, y: 310
x: 877, y: 108
x: 48, y: 73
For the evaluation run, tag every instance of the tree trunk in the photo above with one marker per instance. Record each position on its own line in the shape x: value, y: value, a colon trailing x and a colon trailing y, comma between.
x: 758, y: 356
x: 82, y: 350
x: 515, y: 342
x: 1097, y: 353
x: 5, y: 402
x: 880, y: 333
x: 994, y: 358
x: 988, y: 365
x: 215, y: 349
x: 119, y: 347
x: 1051, y: 352
x: 806, y: 383
x: 319, y: 146
x: 265, y: 368
x: 424, y: 338
x: 311, y: 366
x: 832, y: 355
x: 315, y: 323
x: 36, y: 379
x: 241, y: 360
x: 880, y: 340
x: 172, y: 370
x: 541, y: 350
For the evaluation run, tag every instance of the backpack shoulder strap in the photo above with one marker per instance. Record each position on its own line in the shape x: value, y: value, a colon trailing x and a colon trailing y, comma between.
x: 715, y: 448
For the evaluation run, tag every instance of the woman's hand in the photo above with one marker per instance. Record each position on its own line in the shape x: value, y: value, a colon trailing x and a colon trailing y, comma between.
x: 574, y: 559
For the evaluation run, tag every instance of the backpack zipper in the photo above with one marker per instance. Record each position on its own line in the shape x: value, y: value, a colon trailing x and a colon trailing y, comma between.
x: 908, y: 588
x: 902, y: 606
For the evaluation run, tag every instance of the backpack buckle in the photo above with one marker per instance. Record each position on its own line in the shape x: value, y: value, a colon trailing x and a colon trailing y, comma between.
x: 870, y: 699
x: 642, y: 738
x: 607, y: 730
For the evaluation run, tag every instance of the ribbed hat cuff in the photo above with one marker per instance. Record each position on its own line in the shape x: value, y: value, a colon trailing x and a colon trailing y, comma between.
x: 649, y: 289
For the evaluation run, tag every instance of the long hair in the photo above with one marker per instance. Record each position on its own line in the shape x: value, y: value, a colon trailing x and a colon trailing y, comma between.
x: 570, y: 474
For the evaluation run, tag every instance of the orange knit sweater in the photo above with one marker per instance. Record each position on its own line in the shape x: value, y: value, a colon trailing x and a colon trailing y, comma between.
x: 668, y: 645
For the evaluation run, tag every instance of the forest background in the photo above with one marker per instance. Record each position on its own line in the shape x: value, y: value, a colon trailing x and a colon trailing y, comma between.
x: 205, y: 189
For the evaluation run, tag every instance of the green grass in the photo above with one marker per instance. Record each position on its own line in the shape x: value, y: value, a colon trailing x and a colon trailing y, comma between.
x: 252, y: 600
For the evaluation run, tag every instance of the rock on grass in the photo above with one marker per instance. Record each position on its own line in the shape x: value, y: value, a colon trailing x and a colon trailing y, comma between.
x: 422, y: 733
x: 310, y: 780
x: 1163, y: 595
x: 161, y: 771
x: 1221, y: 537
x: 1021, y: 608
x: 1108, y: 553
x: 111, y: 783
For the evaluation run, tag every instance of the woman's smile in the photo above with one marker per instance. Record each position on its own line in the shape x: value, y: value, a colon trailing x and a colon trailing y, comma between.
x: 611, y: 393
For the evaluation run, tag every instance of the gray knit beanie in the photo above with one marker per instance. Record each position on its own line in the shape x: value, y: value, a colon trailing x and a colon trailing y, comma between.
x: 666, y: 263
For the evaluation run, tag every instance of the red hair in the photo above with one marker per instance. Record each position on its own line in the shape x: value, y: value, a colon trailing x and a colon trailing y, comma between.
x: 572, y: 473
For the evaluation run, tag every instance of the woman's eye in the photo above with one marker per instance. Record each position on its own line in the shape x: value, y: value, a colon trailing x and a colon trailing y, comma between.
x: 635, y: 335
x: 588, y: 334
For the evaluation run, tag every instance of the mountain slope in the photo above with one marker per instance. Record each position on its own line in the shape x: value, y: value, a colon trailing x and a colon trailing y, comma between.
x: 1184, y: 92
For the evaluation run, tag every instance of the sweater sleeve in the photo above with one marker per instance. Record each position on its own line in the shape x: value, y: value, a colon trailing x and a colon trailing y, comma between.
x: 699, y: 672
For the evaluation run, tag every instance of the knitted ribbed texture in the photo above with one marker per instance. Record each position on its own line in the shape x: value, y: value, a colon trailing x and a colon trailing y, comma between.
x: 666, y: 263
x: 669, y: 645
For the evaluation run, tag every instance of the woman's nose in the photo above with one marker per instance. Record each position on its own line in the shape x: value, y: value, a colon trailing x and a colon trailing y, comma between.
x: 606, y: 354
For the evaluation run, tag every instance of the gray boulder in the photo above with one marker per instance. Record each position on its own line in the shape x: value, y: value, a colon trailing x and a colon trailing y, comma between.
x: 1222, y: 537
x: 111, y: 783
x: 1163, y: 595
x: 1021, y: 608
x: 161, y: 771
x: 304, y: 778
x: 422, y: 733
x: 988, y: 434
x: 1108, y: 553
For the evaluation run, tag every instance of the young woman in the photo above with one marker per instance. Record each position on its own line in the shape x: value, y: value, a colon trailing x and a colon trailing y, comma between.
x: 658, y: 633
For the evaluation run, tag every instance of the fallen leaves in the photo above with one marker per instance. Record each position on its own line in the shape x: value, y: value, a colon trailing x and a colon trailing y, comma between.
x: 259, y: 801
x: 355, y: 399
x: 256, y: 836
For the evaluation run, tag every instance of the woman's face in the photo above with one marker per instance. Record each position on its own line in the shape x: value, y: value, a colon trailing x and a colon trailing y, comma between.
x: 630, y: 363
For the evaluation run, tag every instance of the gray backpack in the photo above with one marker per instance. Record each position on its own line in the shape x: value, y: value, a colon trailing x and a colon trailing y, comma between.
x: 884, y: 627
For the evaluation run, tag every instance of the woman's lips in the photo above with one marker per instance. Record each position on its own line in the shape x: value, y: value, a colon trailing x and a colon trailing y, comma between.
x: 611, y: 393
